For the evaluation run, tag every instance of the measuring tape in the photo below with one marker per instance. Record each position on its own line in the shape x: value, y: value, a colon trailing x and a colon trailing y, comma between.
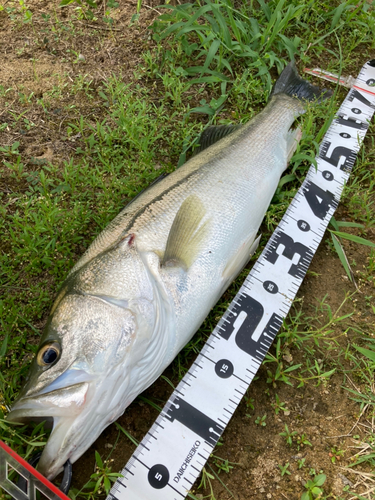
x: 172, y: 454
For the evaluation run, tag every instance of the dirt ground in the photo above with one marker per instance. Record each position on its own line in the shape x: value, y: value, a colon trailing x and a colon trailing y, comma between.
x: 33, y: 60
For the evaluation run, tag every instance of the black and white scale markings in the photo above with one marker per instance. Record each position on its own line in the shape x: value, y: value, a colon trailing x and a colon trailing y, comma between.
x: 174, y: 451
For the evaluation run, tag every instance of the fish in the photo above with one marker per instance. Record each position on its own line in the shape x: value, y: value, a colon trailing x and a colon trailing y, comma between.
x: 150, y: 278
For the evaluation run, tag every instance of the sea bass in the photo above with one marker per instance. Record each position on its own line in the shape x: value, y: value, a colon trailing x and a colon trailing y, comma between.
x: 147, y: 282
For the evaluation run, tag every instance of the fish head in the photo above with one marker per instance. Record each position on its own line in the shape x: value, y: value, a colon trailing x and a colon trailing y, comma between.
x: 79, y: 377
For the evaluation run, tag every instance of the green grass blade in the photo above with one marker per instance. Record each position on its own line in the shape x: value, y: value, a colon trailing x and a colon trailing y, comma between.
x: 285, y: 179
x: 168, y: 381
x: 341, y: 254
x: 370, y: 354
x: 211, y: 54
x: 225, y: 33
x: 353, y: 237
x: 349, y: 224
x: 149, y: 402
x: 4, y: 346
x: 338, y: 13
x: 127, y: 434
x: 334, y: 223
x: 265, y: 8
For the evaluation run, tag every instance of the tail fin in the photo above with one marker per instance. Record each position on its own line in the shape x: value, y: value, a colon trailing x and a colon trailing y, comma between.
x: 290, y: 83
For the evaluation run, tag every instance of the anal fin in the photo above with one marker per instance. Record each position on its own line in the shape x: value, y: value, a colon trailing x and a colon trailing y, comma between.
x: 242, y: 257
x: 293, y: 138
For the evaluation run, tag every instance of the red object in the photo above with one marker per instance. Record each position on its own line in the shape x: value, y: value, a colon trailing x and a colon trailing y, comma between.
x: 34, y: 478
x: 364, y: 90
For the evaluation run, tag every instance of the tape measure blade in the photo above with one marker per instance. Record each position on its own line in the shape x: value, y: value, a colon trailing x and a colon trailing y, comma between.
x: 177, y: 446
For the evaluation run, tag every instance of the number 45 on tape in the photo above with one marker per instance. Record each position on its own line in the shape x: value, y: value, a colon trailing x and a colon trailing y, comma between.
x: 11, y: 462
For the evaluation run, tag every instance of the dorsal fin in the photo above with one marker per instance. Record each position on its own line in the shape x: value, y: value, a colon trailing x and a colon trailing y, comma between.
x: 187, y: 234
x: 213, y: 134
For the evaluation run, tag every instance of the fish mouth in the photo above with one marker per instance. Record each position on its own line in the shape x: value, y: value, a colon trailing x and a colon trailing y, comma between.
x: 63, y: 410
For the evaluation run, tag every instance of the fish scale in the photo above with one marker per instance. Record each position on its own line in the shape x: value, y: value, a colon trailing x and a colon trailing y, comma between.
x: 176, y: 448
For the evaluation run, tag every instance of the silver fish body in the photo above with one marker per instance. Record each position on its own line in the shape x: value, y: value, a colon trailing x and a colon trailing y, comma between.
x: 147, y: 282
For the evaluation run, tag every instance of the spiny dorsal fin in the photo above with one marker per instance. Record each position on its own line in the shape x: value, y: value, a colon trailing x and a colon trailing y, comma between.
x: 213, y: 134
x: 187, y: 234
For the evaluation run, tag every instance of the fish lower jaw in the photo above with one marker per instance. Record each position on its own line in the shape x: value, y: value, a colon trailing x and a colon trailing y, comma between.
x: 56, y: 452
x: 58, y: 449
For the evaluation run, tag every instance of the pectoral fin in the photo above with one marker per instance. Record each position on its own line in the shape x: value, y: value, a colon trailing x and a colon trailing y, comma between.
x: 187, y: 234
x: 242, y: 257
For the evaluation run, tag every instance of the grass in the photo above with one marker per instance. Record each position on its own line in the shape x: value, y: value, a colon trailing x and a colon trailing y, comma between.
x: 209, y: 62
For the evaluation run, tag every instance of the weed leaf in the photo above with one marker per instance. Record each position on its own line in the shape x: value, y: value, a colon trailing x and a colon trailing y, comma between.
x: 341, y: 254
x: 353, y: 237
x: 370, y: 354
x: 4, y: 346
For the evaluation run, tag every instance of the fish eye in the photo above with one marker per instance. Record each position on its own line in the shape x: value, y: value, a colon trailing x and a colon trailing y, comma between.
x: 48, y: 354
